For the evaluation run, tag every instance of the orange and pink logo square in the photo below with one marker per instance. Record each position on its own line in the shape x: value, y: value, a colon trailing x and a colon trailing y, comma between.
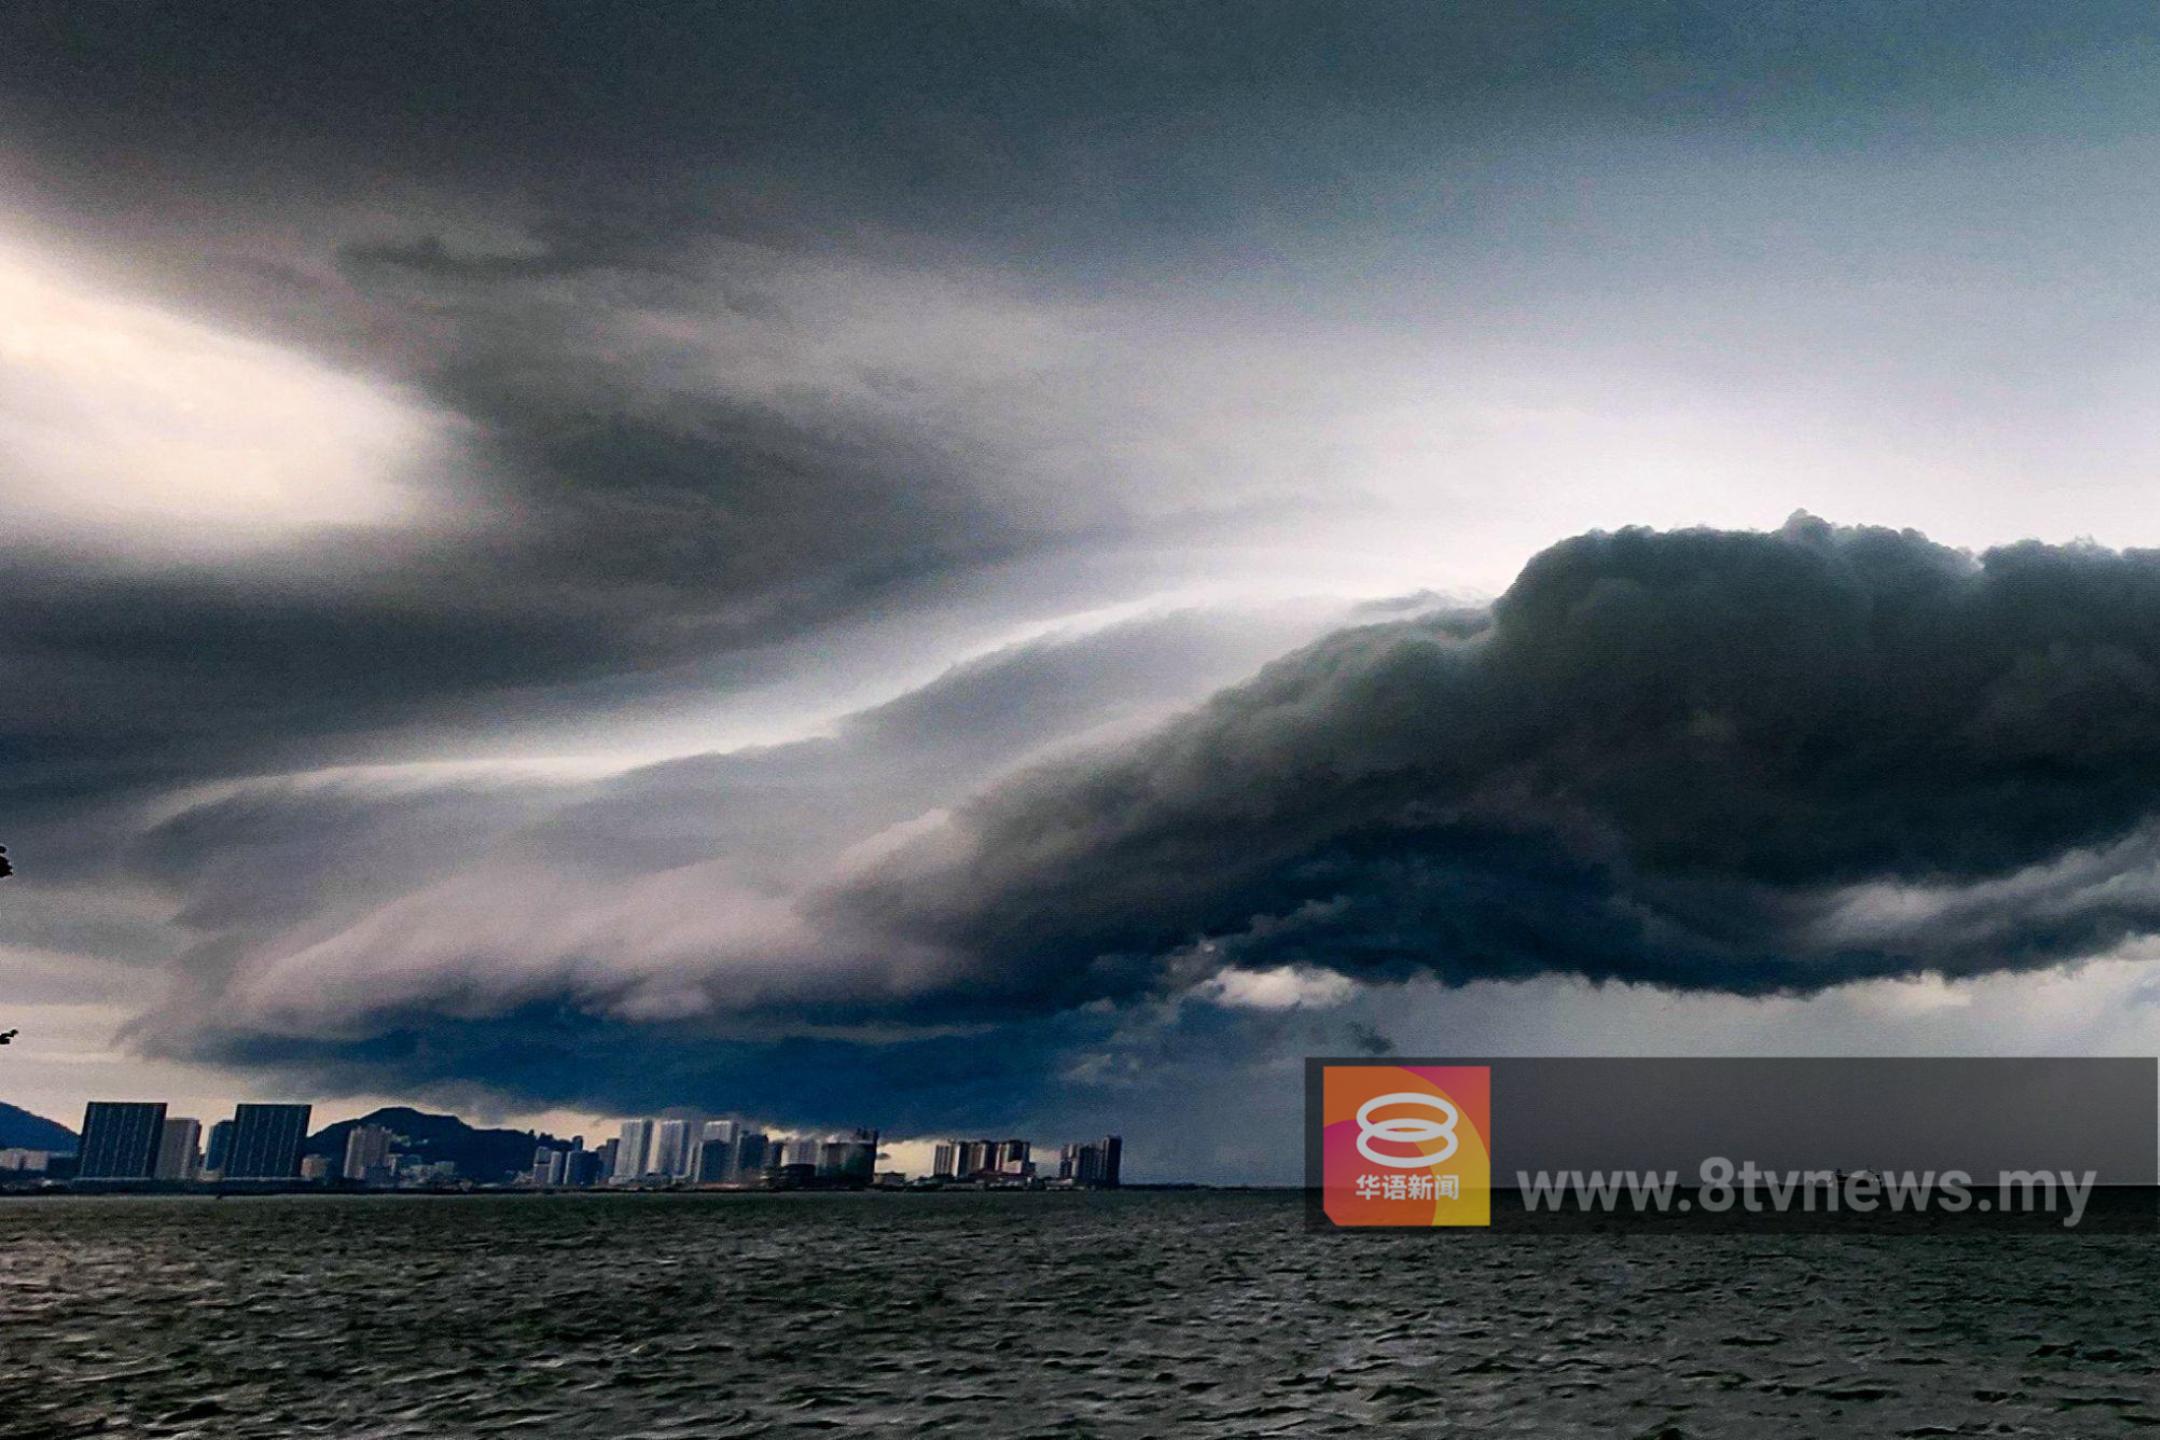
x: 1406, y: 1144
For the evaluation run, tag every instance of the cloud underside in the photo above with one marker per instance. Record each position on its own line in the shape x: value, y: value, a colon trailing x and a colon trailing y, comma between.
x: 1702, y: 760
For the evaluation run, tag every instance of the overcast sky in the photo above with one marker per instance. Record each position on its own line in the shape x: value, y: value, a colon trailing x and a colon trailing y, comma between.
x: 1018, y: 568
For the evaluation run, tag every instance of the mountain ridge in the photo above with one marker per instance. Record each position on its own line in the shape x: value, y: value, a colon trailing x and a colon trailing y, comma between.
x: 21, y: 1129
x: 487, y: 1156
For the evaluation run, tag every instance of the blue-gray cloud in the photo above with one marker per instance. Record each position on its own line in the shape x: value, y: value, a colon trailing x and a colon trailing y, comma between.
x: 1703, y: 759
x: 1720, y: 761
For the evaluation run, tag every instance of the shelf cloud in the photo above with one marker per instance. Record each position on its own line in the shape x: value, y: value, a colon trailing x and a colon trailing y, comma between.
x: 1738, y: 762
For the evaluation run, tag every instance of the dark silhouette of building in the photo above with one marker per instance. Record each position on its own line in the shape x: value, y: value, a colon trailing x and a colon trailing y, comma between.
x: 1093, y: 1162
x: 266, y: 1142
x: 849, y: 1159
x: 120, y: 1139
x: 715, y: 1162
x: 982, y: 1159
x: 219, y: 1147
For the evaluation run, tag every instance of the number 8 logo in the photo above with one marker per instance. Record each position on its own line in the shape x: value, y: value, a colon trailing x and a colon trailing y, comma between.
x: 1406, y: 1130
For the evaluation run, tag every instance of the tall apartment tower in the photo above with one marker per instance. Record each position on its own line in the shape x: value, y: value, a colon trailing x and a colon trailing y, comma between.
x: 632, y: 1147
x: 367, y: 1154
x: 266, y: 1141
x: 671, y: 1149
x: 714, y: 1160
x: 179, y: 1154
x: 120, y: 1140
x: 1093, y: 1162
x: 219, y: 1147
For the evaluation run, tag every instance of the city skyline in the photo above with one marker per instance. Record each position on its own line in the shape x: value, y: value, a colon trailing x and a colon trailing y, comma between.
x: 135, y: 1141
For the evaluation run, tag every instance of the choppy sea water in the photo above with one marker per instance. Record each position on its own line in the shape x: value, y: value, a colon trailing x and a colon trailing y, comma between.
x: 1055, y: 1315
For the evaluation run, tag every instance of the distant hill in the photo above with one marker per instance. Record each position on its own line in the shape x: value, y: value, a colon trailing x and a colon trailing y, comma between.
x: 19, y: 1129
x: 486, y: 1156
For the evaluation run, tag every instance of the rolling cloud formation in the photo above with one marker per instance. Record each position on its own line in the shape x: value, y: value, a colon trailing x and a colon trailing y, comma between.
x: 1700, y: 759
x: 1733, y: 761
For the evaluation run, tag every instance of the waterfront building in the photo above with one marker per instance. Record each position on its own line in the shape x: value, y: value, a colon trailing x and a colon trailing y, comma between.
x: 632, y: 1147
x: 671, y: 1150
x: 17, y: 1160
x: 219, y: 1147
x: 977, y: 1159
x: 266, y: 1141
x: 712, y: 1157
x: 1093, y: 1163
x: 367, y: 1154
x: 315, y: 1168
x: 120, y: 1140
x: 179, y: 1154
x: 850, y: 1158
x: 585, y: 1167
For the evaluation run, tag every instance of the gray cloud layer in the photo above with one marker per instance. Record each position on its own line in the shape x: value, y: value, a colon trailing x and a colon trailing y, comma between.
x: 1709, y: 760
x: 1701, y: 759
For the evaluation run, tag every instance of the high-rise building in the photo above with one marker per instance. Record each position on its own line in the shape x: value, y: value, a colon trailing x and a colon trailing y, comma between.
x: 219, y: 1147
x: 967, y: 1159
x: 845, y: 1157
x: 714, y: 1159
x: 266, y: 1142
x: 179, y: 1149
x: 1093, y: 1162
x: 585, y: 1167
x: 367, y: 1154
x: 315, y: 1168
x: 671, y: 1149
x: 120, y: 1140
x: 632, y: 1147
x: 606, y: 1154
x: 752, y: 1153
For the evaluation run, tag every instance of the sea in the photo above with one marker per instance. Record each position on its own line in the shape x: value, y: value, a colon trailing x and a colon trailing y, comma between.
x: 1132, y: 1313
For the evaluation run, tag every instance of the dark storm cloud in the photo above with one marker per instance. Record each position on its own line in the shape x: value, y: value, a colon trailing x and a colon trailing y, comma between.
x: 352, y: 905
x: 1700, y: 759
x: 1081, y: 121
x: 587, y: 234
x: 1727, y: 761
